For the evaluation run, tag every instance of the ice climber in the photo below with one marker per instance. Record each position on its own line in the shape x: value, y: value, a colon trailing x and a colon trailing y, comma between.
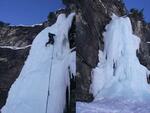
x: 51, y: 39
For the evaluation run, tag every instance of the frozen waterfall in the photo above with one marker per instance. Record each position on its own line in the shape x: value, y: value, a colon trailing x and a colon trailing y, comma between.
x: 31, y: 92
x: 119, y: 72
x: 119, y: 82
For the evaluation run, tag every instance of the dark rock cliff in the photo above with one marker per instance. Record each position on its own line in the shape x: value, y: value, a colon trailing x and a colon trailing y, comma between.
x: 142, y: 29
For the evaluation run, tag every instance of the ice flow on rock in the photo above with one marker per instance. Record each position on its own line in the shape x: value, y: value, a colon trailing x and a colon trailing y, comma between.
x: 29, y: 92
x: 119, y: 72
x: 119, y: 82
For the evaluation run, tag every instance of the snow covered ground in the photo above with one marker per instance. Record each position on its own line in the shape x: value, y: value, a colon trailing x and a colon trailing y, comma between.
x: 41, y: 86
x: 119, y: 82
x: 112, y: 106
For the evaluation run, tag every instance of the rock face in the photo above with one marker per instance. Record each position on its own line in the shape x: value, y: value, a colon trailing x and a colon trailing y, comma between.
x: 91, y: 19
x: 142, y: 29
x: 11, y: 62
x: 18, y: 35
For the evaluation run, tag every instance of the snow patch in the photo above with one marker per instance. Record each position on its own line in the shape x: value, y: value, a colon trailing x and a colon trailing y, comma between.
x: 15, y: 48
x: 22, y: 25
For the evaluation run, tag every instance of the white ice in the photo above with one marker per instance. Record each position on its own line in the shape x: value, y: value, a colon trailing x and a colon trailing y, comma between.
x: 29, y: 92
x: 119, y: 80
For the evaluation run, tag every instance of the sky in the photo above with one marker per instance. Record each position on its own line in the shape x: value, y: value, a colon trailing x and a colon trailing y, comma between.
x: 139, y: 4
x: 30, y: 12
x: 27, y: 12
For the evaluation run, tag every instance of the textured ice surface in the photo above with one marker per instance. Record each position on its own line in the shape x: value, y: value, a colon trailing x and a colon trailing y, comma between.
x: 29, y: 92
x: 119, y: 82
x: 112, y: 106
x: 119, y: 72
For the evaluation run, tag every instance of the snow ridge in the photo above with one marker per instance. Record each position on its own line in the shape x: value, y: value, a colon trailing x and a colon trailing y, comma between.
x: 15, y: 48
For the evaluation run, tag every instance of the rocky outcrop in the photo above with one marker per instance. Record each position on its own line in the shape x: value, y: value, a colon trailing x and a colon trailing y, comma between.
x: 142, y: 29
x: 11, y: 62
x: 18, y: 35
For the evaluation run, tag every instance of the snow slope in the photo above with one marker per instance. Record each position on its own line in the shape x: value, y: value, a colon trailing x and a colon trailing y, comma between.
x: 44, y: 65
x: 112, y: 106
x: 119, y: 82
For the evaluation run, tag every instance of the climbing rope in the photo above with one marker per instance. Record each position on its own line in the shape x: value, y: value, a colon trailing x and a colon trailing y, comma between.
x: 48, y: 93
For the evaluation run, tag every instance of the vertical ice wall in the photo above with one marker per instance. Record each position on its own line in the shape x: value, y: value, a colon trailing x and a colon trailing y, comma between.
x: 29, y: 92
x: 119, y: 72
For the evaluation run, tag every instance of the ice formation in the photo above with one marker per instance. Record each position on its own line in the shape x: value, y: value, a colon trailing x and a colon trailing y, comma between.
x: 44, y: 65
x: 119, y: 82
x: 119, y: 72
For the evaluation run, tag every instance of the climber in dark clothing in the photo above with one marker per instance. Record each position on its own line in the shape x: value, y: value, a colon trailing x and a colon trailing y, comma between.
x: 148, y: 79
x: 51, y: 39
